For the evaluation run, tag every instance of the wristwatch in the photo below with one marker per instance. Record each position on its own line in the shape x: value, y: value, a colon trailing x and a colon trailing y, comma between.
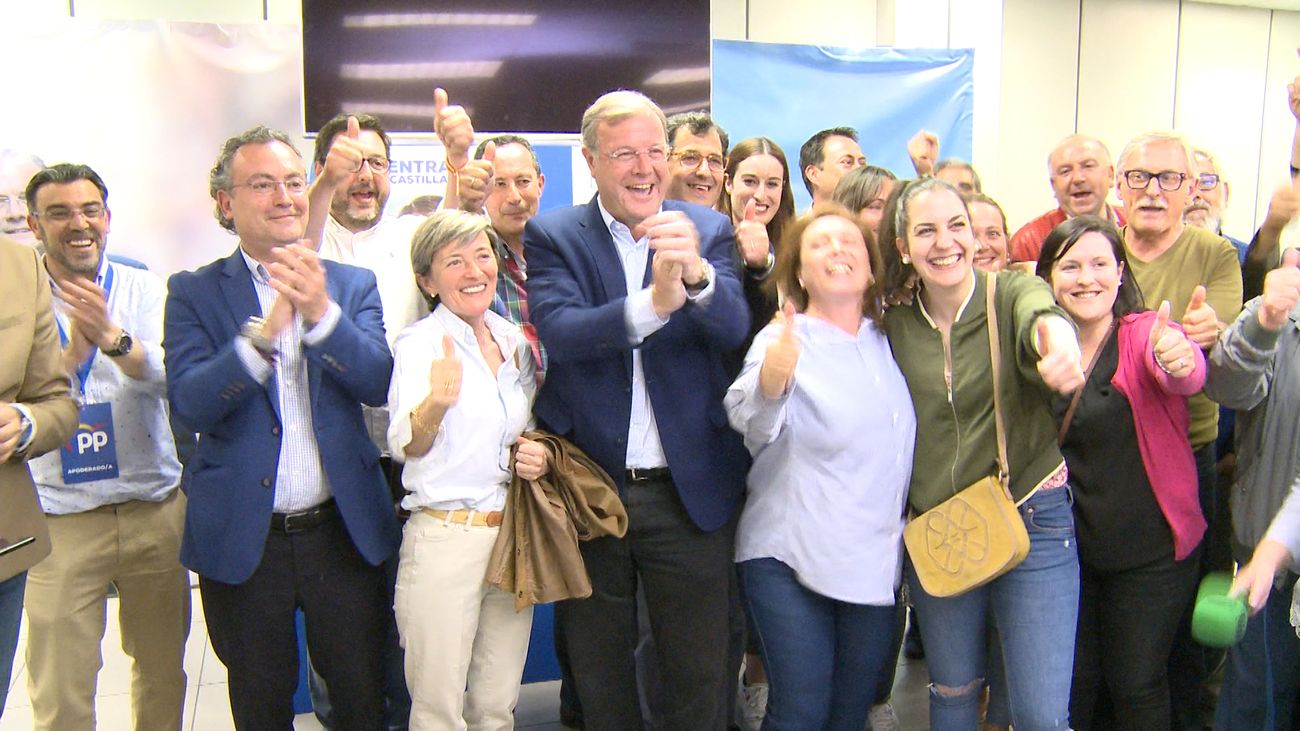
x: 121, y: 346
x: 706, y: 276
x: 252, y: 330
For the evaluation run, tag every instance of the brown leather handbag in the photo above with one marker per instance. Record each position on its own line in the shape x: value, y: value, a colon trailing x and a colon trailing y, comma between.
x: 976, y: 535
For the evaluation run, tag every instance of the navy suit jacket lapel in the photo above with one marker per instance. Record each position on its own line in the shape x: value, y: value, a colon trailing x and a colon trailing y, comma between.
x: 609, y: 264
x: 237, y: 286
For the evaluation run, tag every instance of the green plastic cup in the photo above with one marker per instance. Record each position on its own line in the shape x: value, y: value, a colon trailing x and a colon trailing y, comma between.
x: 1218, y: 620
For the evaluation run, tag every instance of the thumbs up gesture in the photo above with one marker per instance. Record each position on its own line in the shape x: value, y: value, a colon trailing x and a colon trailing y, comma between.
x: 452, y: 124
x: 1199, y: 321
x: 1171, y: 349
x: 1281, y: 292
x: 1059, y: 362
x: 777, y: 371
x: 476, y: 180
x: 445, y: 377
x: 751, y: 238
x: 345, y: 156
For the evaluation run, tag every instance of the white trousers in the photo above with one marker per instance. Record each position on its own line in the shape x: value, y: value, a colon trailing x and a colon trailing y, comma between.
x: 465, y: 643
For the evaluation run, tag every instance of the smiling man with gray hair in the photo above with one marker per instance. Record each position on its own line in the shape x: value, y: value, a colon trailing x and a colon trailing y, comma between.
x: 634, y: 297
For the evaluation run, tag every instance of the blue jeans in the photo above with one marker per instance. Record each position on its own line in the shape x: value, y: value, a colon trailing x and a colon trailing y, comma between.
x: 823, y: 657
x: 11, y: 613
x: 1036, y: 607
x: 1263, y: 669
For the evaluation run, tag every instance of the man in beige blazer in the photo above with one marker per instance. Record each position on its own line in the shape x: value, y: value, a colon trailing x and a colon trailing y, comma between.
x: 37, y: 415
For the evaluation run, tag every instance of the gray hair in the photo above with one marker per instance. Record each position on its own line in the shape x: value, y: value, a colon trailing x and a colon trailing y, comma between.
x: 616, y: 106
x: 440, y: 230
x: 219, y: 178
x: 1155, y: 138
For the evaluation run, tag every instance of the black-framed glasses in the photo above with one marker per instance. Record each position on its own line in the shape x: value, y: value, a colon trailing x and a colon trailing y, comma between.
x: 266, y: 187
x: 90, y: 211
x: 1140, y: 179
x: 626, y: 155
x: 1207, y: 181
x: 691, y: 160
x: 377, y: 164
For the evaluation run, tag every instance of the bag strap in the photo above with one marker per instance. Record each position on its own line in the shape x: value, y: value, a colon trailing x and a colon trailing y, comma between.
x: 1074, y: 402
x: 995, y: 351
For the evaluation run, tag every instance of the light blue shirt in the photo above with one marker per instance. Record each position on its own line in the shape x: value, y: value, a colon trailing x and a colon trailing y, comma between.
x: 300, y: 481
x: 832, y: 461
x: 146, y: 454
x: 644, y: 449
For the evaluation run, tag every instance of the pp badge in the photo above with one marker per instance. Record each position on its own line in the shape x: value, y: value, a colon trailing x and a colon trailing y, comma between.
x: 91, y: 453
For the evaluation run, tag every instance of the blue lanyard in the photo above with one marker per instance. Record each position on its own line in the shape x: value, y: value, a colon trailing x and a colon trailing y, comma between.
x: 83, y: 372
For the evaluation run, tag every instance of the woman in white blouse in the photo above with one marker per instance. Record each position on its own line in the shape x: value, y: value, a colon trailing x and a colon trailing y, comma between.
x: 827, y: 415
x: 461, y: 395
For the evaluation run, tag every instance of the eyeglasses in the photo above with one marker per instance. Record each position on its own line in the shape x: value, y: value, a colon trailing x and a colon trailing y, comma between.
x: 691, y: 160
x: 1207, y: 181
x: 377, y: 164
x: 90, y: 211
x: 1140, y: 179
x: 267, y: 188
x: 625, y: 156
x: 13, y: 202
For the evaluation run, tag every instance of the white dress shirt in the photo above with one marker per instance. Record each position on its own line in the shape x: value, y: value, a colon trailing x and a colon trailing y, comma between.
x: 384, y: 249
x: 644, y: 449
x: 146, y: 454
x: 832, y: 461
x: 468, y: 467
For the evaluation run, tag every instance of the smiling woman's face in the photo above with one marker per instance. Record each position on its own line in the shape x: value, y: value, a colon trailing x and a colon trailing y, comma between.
x: 1086, y: 279
x: 759, y: 178
x: 938, y: 239
x: 463, y: 276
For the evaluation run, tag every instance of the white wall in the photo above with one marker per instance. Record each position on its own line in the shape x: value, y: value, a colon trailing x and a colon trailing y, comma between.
x: 1044, y: 69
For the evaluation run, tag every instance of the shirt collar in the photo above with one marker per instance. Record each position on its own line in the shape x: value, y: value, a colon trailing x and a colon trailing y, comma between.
x: 973, y: 286
x: 255, y: 267
x: 99, y: 275
x: 617, y: 228
x: 460, y: 331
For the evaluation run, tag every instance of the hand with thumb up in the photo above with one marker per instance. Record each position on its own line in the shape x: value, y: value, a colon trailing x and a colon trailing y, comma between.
x: 777, y: 371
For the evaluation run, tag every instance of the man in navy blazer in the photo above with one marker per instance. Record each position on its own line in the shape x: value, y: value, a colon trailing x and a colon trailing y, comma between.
x: 635, y: 299
x: 270, y: 353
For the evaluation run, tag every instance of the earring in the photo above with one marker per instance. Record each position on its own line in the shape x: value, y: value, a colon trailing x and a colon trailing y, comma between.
x: 801, y: 283
x: 907, y: 259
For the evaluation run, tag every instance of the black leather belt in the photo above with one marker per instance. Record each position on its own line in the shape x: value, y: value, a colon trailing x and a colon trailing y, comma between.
x: 306, y: 519
x: 648, y: 474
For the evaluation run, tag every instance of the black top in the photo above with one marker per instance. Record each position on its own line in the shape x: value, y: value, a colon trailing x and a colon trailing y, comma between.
x: 1117, y: 519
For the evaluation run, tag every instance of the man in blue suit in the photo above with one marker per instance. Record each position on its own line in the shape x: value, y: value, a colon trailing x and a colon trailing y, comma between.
x: 635, y: 299
x: 270, y: 353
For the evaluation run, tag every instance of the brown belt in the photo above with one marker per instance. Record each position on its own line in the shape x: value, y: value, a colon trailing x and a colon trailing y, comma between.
x: 466, y: 517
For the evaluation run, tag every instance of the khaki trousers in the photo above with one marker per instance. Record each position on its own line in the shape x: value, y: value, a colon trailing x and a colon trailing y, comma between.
x: 135, y: 546
x: 465, y: 643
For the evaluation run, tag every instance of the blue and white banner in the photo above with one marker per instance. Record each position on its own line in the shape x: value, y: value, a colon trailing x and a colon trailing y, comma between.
x: 788, y: 92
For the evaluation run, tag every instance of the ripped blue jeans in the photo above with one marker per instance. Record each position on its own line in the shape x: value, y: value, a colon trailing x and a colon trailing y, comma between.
x: 1036, y: 606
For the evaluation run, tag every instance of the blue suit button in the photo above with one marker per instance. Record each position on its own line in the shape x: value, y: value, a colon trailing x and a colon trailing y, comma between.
x: 266, y: 482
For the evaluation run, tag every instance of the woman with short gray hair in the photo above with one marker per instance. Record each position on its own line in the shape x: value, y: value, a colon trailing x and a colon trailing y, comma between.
x: 461, y: 395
